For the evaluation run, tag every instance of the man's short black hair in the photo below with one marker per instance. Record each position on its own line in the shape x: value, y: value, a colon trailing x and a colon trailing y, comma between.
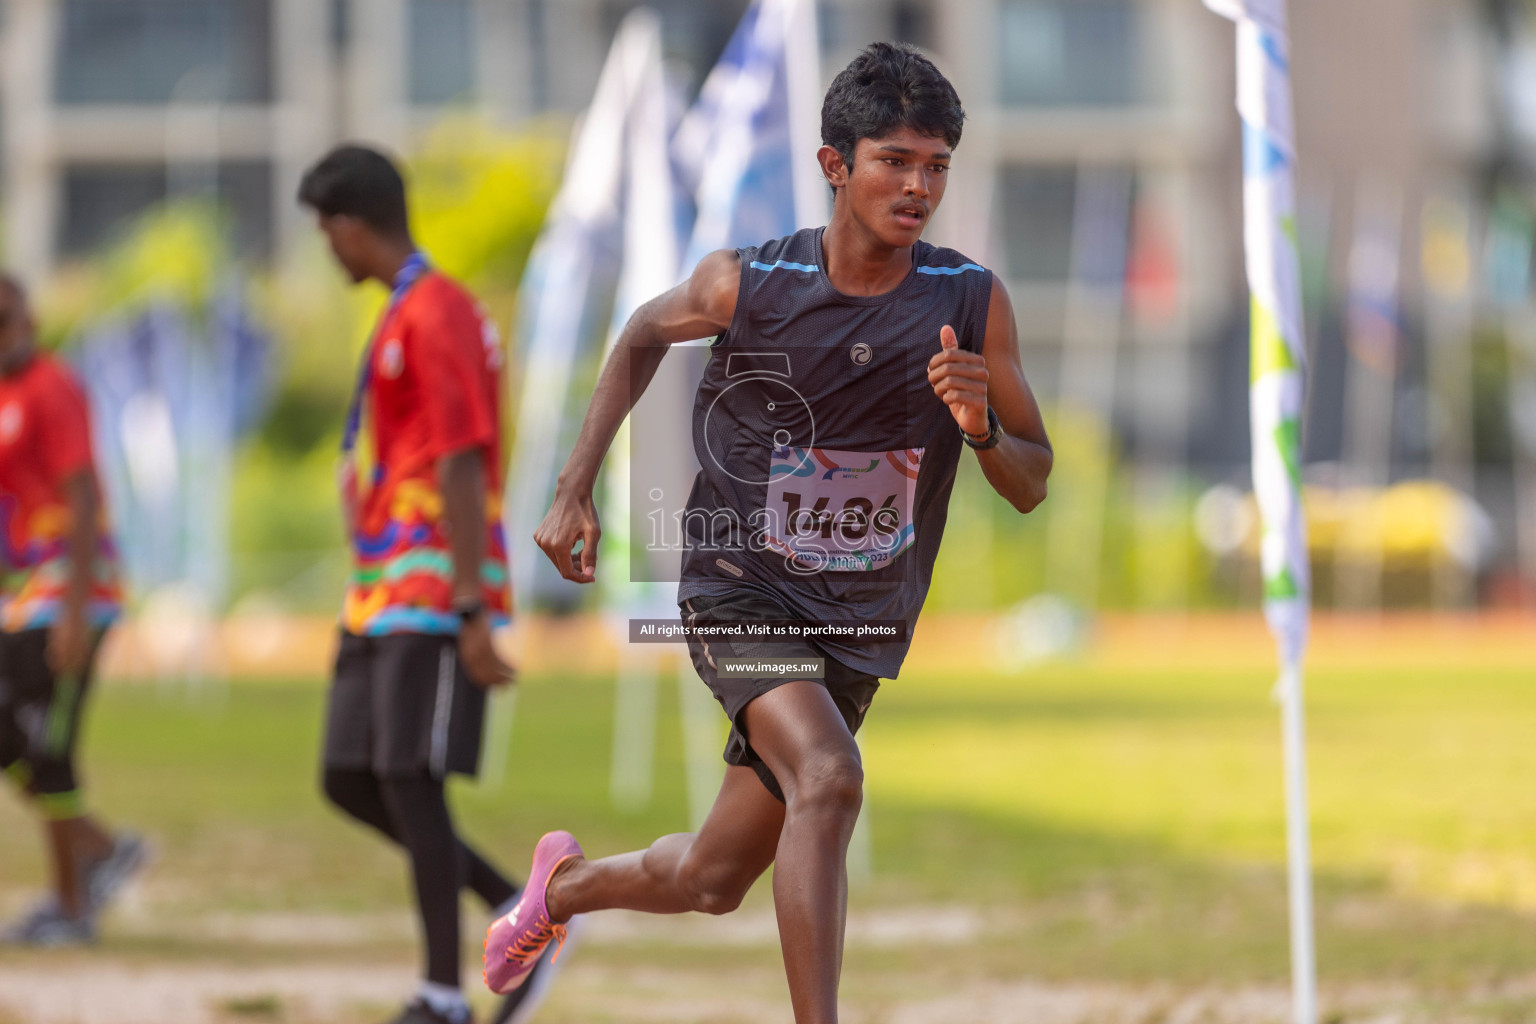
x: 358, y: 182
x: 887, y: 87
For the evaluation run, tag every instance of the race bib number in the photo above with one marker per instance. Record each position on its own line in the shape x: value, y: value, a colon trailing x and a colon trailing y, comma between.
x: 841, y: 511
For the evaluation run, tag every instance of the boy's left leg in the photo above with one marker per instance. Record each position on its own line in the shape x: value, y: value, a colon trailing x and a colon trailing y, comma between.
x: 74, y: 844
x: 805, y: 740
x: 418, y: 809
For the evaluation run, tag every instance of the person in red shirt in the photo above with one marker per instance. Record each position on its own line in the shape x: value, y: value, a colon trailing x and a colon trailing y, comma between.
x: 61, y: 592
x: 421, y: 487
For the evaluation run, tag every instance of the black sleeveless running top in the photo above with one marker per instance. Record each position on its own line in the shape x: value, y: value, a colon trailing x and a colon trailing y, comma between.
x: 827, y: 459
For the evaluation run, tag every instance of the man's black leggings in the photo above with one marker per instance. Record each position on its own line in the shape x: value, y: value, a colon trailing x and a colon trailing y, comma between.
x: 413, y: 812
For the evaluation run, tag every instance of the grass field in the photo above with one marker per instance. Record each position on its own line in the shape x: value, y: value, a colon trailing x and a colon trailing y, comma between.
x: 1081, y: 842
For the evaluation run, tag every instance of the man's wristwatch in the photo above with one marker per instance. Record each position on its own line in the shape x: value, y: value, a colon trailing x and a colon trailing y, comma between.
x: 468, y: 610
x: 990, y: 439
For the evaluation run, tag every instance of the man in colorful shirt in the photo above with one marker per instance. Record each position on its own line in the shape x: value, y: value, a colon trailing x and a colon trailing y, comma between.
x: 61, y: 594
x: 430, y: 581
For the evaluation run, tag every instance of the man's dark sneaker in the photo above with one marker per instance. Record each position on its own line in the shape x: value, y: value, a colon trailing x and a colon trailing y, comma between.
x: 46, y: 926
x: 418, y: 1012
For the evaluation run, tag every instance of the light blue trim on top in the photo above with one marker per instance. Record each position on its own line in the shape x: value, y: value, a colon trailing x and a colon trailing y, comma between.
x: 44, y: 613
x: 807, y: 268
x: 423, y: 620
x: 405, y: 619
x: 962, y: 268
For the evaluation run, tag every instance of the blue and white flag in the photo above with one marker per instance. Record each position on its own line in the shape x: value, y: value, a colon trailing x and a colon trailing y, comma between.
x: 168, y: 408
x: 572, y: 278
x: 138, y: 374
x: 748, y: 146
x: 618, y: 234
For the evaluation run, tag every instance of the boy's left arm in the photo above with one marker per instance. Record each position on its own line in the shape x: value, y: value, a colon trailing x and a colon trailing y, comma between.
x: 969, y: 383
x: 69, y: 640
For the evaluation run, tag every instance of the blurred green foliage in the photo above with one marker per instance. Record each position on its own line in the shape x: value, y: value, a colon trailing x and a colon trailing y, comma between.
x: 178, y: 252
x: 1110, y: 534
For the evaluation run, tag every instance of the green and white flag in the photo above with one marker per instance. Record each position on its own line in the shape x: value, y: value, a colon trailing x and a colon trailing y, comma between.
x: 1277, y: 348
x: 1277, y: 384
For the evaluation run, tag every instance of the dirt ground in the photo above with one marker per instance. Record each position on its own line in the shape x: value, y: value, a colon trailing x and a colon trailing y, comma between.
x: 631, y: 969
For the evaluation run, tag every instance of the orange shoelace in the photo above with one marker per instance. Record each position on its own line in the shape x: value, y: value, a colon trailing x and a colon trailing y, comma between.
x: 528, y: 947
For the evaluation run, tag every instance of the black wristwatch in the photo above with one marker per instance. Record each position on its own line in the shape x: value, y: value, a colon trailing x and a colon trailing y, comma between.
x: 991, y: 439
x: 468, y: 611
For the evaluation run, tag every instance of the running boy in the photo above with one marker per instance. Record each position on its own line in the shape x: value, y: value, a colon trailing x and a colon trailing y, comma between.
x: 852, y: 367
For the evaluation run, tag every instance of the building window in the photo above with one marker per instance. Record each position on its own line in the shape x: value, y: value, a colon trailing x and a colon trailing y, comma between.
x: 102, y: 200
x: 1070, y: 53
x: 1037, y: 209
x: 912, y: 22
x: 442, y: 51
x: 155, y: 51
x: 693, y: 34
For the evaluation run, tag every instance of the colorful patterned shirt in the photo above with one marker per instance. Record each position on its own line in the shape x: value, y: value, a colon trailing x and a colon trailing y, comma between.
x: 45, y: 439
x: 431, y: 387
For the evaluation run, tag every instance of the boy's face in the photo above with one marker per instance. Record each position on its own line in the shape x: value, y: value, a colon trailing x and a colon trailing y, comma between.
x: 895, y: 183
x: 349, y: 240
x: 16, y: 325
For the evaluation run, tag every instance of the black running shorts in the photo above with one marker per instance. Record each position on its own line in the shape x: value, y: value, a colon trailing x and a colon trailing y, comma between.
x: 401, y: 705
x: 40, y: 715
x: 851, y: 690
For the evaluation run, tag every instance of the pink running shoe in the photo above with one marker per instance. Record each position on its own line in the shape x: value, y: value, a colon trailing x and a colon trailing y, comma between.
x: 514, y: 942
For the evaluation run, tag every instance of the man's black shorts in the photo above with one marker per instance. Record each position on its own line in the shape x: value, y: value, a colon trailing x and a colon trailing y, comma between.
x: 401, y: 705
x: 851, y: 690
x: 40, y: 713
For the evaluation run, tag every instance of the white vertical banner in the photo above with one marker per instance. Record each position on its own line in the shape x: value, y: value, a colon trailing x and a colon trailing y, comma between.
x: 570, y: 277
x: 751, y: 140
x: 650, y: 247
x: 1277, y: 374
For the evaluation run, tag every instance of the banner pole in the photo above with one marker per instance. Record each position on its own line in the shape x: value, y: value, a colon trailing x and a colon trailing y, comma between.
x: 1298, y: 845
x: 1277, y: 404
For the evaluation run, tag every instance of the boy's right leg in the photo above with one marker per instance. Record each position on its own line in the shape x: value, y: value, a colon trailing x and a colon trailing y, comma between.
x: 707, y: 871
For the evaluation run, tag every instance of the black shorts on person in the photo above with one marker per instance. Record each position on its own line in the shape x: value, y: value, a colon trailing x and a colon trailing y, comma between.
x: 852, y: 691
x: 40, y: 713
x: 401, y: 705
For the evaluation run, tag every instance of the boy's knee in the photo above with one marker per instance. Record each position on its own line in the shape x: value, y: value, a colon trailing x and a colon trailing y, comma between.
x: 832, y: 784
x: 711, y: 888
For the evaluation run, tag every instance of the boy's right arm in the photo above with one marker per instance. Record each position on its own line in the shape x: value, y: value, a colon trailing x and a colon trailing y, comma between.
x: 700, y: 307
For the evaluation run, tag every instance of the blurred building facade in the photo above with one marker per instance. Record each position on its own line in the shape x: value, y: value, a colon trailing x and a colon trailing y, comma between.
x: 111, y: 104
